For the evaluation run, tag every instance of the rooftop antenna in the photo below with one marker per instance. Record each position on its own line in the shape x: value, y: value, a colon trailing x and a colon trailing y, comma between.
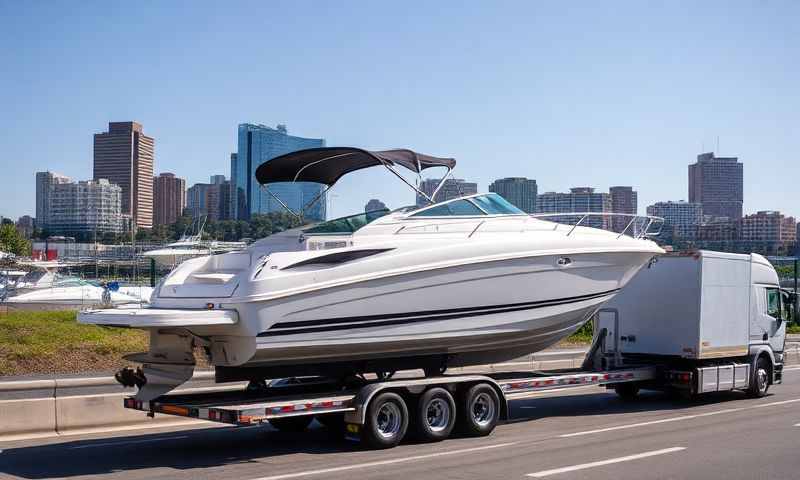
x: 718, y: 145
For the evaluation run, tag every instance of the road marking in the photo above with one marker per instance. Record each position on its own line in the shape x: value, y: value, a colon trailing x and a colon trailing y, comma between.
x: 675, y: 419
x: 791, y: 369
x: 796, y: 425
x: 129, y: 442
x: 582, y: 466
x: 308, y: 473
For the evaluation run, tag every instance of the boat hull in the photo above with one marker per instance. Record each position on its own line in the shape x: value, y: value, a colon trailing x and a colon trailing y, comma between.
x: 466, y: 315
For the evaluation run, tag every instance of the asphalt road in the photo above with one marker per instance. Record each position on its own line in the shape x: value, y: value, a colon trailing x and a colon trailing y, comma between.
x: 581, y: 433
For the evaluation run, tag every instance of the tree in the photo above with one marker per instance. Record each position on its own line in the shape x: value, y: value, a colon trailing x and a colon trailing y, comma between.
x: 12, y: 242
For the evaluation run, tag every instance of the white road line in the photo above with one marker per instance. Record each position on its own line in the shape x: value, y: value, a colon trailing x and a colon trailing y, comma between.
x: 308, y: 473
x: 556, y: 471
x: 129, y: 442
x: 791, y: 369
x: 675, y: 419
x: 796, y: 425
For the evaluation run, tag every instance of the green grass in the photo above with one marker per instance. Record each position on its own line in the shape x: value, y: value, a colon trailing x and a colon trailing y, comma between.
x: 793, y: 328
x: 54, y: 342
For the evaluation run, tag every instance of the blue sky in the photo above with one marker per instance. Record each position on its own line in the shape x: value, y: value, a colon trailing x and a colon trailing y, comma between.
x: 590, y: 93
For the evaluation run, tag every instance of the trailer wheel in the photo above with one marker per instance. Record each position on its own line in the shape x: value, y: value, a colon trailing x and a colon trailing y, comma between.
x: 435, y: 415
x: 387, y: 421
x: 291, y: 424
x: 627, y: 391
x: 480, y: 410
x: 759, y: 378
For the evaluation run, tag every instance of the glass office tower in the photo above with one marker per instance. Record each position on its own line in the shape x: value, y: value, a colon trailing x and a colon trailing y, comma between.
x: 259, y: 144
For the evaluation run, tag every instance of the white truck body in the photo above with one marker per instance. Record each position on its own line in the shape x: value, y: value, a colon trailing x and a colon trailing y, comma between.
x: 701, y: 306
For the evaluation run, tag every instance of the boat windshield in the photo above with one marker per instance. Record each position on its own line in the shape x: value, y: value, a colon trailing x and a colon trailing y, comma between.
x: 485, y: 204
x: 348, y: 224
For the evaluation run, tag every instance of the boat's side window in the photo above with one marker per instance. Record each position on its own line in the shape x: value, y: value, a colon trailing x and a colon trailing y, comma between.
x: 458, y: 207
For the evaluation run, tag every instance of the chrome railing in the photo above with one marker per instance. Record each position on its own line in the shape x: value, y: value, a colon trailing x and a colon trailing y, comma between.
x: 639, y: 225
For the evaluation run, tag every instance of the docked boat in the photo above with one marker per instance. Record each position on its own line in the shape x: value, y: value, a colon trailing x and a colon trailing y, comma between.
x: 175, y: 253
x: 467, y: 281
x: 76, y: 296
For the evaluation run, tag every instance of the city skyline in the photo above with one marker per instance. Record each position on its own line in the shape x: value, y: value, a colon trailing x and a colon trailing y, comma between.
x: 631, y: 101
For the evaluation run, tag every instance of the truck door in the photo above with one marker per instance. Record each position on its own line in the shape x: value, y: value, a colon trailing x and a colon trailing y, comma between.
x: 778, y: 315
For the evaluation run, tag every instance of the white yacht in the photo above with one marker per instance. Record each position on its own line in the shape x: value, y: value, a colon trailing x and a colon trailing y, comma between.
x: 43, y: 288
x: 467, y: 281
x: 190, y: 246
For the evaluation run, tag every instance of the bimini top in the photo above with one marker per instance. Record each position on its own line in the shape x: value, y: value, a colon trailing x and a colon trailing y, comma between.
x: 327, y: 165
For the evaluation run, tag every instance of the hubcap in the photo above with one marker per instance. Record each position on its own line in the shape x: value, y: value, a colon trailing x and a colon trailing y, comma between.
x: 761, y: 378
x: 438, y: 415
x: 388, y: 420
x: 482, y: 409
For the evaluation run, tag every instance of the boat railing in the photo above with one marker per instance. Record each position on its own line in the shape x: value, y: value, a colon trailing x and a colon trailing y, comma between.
x: 636, y: 226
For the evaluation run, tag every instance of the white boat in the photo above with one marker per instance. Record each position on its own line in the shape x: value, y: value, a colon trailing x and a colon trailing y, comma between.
x: 70, y: 297
x: 467, y: 281
x: 190, y: 246
x: 43, y: 288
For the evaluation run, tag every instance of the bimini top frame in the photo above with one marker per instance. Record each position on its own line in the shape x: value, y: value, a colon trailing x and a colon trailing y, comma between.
x: 328, y: 164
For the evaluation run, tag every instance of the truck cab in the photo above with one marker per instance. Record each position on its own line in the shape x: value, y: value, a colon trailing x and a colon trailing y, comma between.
x: 705, y: 310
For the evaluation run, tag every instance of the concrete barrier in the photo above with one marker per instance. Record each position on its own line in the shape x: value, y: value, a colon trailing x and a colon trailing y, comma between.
x: 63, y: 406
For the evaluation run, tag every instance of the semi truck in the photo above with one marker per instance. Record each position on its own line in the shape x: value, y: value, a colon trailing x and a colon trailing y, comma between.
x: 687, y: 324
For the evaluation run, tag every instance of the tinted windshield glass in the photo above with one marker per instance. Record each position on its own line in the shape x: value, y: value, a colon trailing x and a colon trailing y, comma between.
x: 458, y: 207
x: 347, y: 224
x: 494, y: 204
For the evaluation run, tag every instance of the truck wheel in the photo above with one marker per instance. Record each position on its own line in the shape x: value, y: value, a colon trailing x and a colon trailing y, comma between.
x: 291, y: 424
x: 480, y: 410
x: 628, y: 391
x: 759, y: 378
x: 387, y: 421
x: 435, y: 415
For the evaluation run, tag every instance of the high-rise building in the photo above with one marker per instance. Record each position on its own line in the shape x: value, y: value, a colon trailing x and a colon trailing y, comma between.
x: 374, y: 205
x: 124, y: 156
x: 623, y: 200
x: 452, y: 188
x: 85, y: 207
x: 169, y: 198
x: 520, y: 191
x: 44, y: 185
x: 211, y: 199
x: 681, y: 219
x: 579, y: 199
x: 718, y: 184
x: 25, y: 225
x: 768, y: 226
x: 259, y: 144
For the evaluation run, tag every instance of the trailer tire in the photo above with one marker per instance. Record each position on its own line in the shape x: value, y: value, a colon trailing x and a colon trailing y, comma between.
x: 386, y: 422
x: 628, y: 391
x: 435, y: 415
x: 480, y: 410
x: 291, y: 424
x: 759, y: 377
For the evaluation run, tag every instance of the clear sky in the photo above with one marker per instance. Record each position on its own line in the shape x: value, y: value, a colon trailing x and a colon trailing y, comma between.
x: 589, y: 93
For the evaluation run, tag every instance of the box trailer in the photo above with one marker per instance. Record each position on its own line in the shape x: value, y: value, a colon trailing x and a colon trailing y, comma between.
x: 692, y: 324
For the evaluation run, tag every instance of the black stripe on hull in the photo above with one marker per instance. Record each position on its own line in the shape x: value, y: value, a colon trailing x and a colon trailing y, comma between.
x: 368, y: 321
